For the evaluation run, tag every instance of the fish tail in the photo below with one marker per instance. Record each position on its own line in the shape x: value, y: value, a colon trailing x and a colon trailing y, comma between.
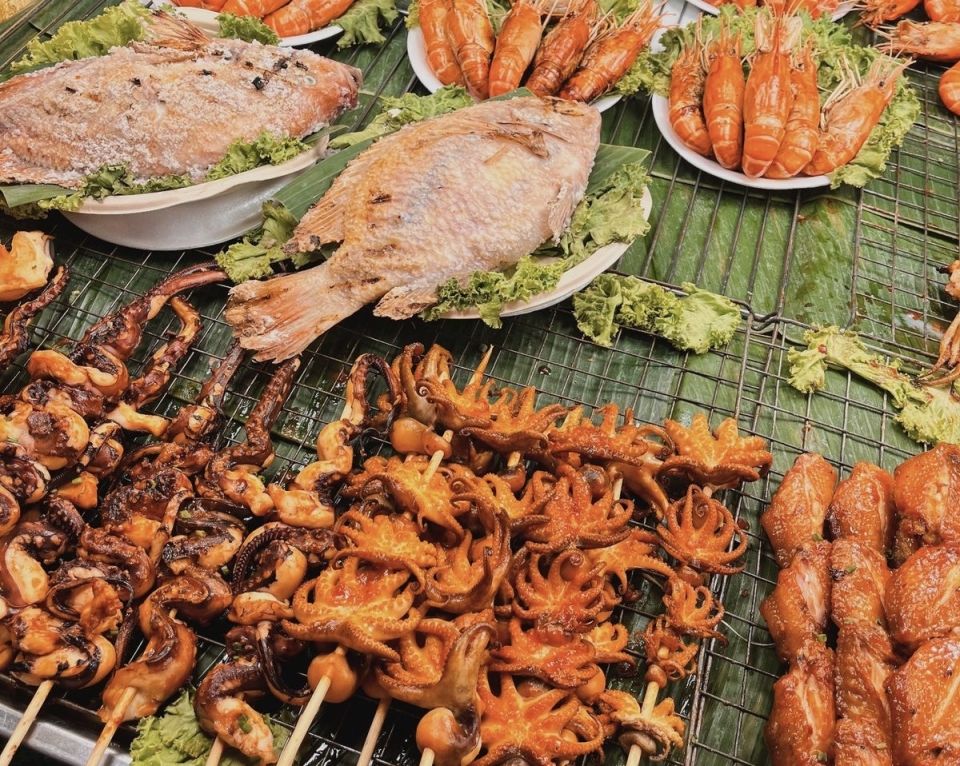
x: 278, y: 318
x: 168, y: 31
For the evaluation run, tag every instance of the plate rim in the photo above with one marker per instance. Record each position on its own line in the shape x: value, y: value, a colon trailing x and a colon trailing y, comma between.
x: 417, y: 56
x: 205, y: 14
x: 571, y: 281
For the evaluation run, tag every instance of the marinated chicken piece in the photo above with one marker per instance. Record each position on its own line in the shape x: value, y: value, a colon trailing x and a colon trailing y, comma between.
x: 25, y: 266
x: 923, y: 600
x: 864, y: 660
x: 925, y: 705
x: 798, y: 608
x: 926, y: 488
x: 861, y: 743
x: 860, y: 584
x: 796, y: 514
x: 862, y: 508
x: 799, y: 731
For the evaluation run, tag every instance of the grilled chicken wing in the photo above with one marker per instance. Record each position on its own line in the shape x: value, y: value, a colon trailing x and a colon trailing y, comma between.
x: 860, y: 580
x: 799, y: 606
x: 797, y: 511
x: 925, y: 705
x: 860, y: 743
x: 864, y: 660
x: 799, y: 731
x: 923, y: 598
x: 926, y: 487
x: 862, y: 508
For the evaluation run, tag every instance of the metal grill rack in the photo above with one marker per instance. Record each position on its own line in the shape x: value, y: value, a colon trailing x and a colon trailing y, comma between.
x: 865, y: 259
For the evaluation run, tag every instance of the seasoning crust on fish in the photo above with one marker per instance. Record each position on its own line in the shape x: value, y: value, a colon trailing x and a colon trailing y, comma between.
x: 172, y: 106
x: 474, y: 190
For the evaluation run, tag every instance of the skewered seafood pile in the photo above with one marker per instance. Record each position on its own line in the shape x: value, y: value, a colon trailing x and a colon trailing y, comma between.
x: 872, y: 651
x: 285, y: 17
x: 473, y: 574
x: 580, y: 57
x: 770, y: 121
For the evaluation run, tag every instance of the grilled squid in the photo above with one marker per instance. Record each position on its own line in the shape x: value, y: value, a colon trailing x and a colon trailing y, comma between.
x: 204, y: 537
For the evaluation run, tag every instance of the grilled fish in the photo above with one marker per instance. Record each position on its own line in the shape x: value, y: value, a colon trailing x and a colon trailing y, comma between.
x: 170, y: 106
x: 470, y: 191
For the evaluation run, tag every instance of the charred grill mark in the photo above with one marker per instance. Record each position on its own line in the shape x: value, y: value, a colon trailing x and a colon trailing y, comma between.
x: 380, y: 197
x: 259, y: 83
x: 136, y: 81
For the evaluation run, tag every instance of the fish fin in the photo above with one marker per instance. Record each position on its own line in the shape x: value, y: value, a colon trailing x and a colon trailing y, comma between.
x: 164, y: 30
x: 406, y: 301
x: 279, y: 317
x: 561, y: 211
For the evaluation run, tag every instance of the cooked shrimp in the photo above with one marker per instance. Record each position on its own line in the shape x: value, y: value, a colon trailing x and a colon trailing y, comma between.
x: 851, y: 112
x: 440, y: 57
x: 767, y: 98
x: 258, y: 8
x: 802, y: 136
x: 723, y: 99
x: 562, y: 49
x: 471, y: 37
x: 208, y: 5
x: 877, y: 11
x: 516, y: 46
x: 687, y: 79
x: 301, y: 16
x: 950, y: 89
x: 931, y: 40
x: 610, y: 56
x: 942, y: 10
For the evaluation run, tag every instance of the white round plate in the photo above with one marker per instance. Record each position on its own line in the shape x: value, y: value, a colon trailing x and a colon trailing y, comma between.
x: 571, y: 282
x: 207, y: 21
x: 196, y: 216
x: 417, y: 53
x: 842, y: 9
x: 661, y: 113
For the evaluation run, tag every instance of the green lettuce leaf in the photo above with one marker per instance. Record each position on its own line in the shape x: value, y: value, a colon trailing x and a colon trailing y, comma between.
x: 697, y: 322
x: 265, y: 149
x: 254, y: 256
x: 248, y: 28
x: 361, y: 23
x: 118, y: 25
x: 397, y: 111
x: 927, y: 414
x: 836, y: 51
x: 176, y: 739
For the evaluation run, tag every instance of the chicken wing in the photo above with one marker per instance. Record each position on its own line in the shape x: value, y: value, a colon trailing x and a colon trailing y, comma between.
x: 860, y: 743
x: 925, y: 487
x: 799, y: 731
x: 864, y: 660
x: 925, y: 705
x: 923, y: 598
x: 797, y: 511
x: 860, y: 581
x: 799, y: 606
x: 862, y: 508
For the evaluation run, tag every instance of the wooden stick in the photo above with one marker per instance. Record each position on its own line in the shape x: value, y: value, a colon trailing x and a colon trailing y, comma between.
x: 111, y: 726
x: 634, y: 756
x: 373, y: 734
x: 426, y: 758
x: 216, y: 752
x: 26, y: 722
x: 305, y: 721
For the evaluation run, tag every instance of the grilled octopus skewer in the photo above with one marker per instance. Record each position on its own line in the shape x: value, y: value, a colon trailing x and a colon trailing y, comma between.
x: 15, y: 335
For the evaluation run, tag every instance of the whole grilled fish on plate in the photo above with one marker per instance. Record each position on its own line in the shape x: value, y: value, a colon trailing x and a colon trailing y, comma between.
x: 169, y: 106
x: 474, y: 190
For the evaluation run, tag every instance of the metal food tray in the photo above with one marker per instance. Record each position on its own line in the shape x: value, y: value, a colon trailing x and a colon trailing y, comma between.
x: 864, y: 259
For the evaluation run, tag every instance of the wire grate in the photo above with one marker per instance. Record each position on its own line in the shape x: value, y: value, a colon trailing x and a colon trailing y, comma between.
x: 866, y: 259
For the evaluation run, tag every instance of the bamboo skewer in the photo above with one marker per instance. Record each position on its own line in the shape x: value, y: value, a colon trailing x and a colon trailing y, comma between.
x: 26, y: 722
x: 305, y: 720
x: 216, y: 752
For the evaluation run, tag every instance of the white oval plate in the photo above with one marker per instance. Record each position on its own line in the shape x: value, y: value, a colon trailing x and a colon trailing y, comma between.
x: 417, y: 53
x: 571, y: 282
x: 196, y: 216
x: 207, y: 21
x: 842, y: 9
x: 661, y: 114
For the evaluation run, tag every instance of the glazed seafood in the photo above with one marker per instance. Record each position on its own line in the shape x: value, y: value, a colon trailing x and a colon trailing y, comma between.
x: 494, y: 153
x: 144, y: 107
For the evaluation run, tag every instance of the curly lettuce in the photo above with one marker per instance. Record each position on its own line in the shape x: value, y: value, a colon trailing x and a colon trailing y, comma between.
x: 836, y: 52
x: 248, y: 28
x: 176, y: 739
x: 927, y: 414
x: 254, y: 256
x: 697, y: 322
x: 361, y: 23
